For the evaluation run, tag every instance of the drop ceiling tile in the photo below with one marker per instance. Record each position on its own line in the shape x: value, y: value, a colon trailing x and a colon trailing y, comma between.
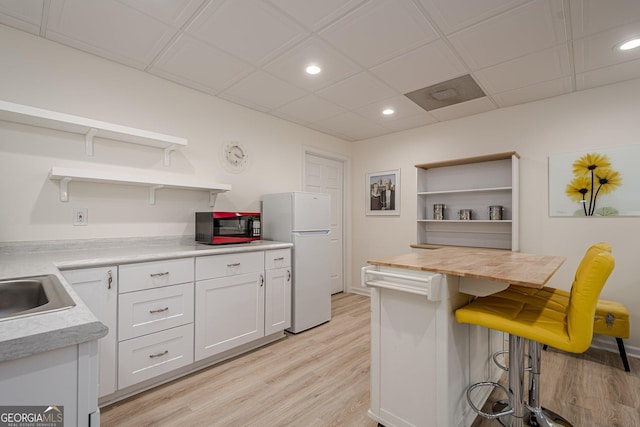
x: 357, y: 91
x: 526, y: 29
x: 108, y: 28
x: 549, y: 64
x: 402, y: 106
x: 453, y: 15
x: 310, y: 108
x: 23, y: 15
x: 352, y: 125
x: 175, y: 12
x: 589, y: 17
x: 380, y: 30
x: 263, y: 91
x: 289, y: 118
x: 315, y: 14
x: 469, y: 108
x: 422, y: 67
x: 195, y: 64
x: 534, y: 92
x: 607, y: 75
x: 599, y: 50
x: 410, y: 122
x: 290, y: 65
x: 249, y: 29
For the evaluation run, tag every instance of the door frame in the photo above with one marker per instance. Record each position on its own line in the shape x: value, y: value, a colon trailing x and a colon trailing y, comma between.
x: 346, y: 205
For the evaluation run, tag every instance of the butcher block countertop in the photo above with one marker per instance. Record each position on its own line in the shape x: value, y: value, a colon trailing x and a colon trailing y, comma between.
x: 515, y: 268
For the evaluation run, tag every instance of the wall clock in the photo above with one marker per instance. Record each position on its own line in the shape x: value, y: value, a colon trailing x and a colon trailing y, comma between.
x: 235, y: 156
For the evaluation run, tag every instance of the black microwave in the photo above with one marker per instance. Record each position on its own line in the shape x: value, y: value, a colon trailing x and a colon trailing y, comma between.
x: 222, y: 228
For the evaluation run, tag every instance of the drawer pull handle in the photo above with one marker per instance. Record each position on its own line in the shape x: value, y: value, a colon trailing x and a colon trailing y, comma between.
x: 159, y: 310
x: 279, y: 259
x: 159, y: 274
x: 235, y: 264
x: 110, y: 279
x: 152, y: 356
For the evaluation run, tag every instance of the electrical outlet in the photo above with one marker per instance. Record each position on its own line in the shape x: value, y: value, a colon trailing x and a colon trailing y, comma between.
x: 80, y: 216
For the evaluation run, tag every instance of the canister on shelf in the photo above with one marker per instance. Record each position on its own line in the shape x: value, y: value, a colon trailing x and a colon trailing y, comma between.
x: 438, y: 211
x: 495, y: 212
x: 465, y: 214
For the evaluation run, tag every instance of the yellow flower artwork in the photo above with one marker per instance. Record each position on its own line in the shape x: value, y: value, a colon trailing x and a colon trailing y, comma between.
x: 593, y: 176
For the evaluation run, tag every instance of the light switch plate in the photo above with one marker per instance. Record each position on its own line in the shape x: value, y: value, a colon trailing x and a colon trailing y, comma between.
x: 80, y: 216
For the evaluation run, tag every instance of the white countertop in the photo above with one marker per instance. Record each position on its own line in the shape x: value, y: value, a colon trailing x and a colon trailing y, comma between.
x: 38, y: 333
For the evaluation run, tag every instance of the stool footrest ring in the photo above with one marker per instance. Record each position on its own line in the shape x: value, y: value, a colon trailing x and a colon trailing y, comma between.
x: 507, y: 411
x: 503, y: 367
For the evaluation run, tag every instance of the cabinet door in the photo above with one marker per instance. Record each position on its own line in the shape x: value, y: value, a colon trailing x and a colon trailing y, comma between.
x: 229, y: 313
x: 98, y: 289
x: 277, y: 303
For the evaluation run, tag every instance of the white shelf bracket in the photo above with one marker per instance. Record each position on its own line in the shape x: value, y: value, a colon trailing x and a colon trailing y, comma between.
x: 152, y: 193
x: 64, y: 189
x: 167, y: 154
x: 88, y: 140
x: 212, y: 198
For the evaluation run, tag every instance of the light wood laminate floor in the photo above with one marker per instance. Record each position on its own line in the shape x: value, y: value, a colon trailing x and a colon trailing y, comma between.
x: 321, y: 378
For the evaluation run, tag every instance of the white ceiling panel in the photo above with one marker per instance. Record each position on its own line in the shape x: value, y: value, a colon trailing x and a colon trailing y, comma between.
x: 249, y: 29
x: 454, y: 15
x: 534, y: 92
x: 589, y: 17
x: 108, y: 28
x: 310, y: 108
x: 23, y: 15
x: 357, y: 91
x: 469, y: 108
x: 263, y: 91
x: 196, y: 64
x: 316, y: 14
x: 526, y: 29
x: 290, y: 65
x: 549, y: 64
x: 380, y: 30
x: 600, y: 50
x: 422, y: 67
x: 254, y: 52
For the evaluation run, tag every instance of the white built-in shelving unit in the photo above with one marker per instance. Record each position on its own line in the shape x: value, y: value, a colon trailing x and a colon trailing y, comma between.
x: 472, y: 183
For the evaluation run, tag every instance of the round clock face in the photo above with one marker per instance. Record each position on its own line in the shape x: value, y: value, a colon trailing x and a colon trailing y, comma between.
x: 235, y: 156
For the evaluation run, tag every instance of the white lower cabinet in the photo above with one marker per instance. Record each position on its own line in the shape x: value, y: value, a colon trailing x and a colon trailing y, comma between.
x: 229, y: 313
x: 98, y: 289
x: 277, y: 301
x: 151, y: 355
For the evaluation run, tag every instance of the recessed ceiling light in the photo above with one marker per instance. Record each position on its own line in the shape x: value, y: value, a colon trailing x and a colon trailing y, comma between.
x: 313, y: 69
x: 629, y: 44
x: 388, y: 111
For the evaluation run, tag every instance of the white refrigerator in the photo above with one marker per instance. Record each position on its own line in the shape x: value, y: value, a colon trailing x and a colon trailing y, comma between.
x: 304, y: 220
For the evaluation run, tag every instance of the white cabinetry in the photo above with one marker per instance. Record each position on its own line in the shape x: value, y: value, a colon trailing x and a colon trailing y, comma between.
x: 229, y: 302
x: 277, y: 302
x: 155, y: 319
x: 472, y: 183
x: 98, y: 289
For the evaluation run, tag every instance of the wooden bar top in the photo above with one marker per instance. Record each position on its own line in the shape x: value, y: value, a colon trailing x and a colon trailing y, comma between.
x: 515, y: 268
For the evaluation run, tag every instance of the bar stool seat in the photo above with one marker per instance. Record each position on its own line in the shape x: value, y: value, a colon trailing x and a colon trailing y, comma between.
x: 569, y: 330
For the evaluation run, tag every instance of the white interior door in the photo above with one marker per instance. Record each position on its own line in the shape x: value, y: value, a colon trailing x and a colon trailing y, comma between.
x: 323, y: 175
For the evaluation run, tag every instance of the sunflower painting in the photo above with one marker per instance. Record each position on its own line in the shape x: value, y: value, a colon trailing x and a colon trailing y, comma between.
x: 591, y: 183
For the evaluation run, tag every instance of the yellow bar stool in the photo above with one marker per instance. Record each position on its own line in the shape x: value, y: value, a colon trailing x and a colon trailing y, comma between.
x: 570, y: 331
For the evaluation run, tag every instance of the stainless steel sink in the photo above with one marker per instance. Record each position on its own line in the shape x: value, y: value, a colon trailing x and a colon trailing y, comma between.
x: 24, y: 296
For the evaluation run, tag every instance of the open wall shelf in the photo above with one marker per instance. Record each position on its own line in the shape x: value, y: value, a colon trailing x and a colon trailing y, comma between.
x: 90, y: 128
x: 66, y: 175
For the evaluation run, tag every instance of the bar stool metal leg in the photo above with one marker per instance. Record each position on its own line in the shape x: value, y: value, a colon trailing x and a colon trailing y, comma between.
x: 539, y: 416
x: 516, y: 383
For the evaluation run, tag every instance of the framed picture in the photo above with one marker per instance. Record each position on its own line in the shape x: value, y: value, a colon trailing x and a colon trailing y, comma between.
x: 383, y: 193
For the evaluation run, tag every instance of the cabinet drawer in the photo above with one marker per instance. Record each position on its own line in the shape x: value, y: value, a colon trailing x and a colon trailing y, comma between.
x: 153, y: 310
x: 146, y: 275
x: 277, y: 259
x: 210, y: 267
x: 151, y: 355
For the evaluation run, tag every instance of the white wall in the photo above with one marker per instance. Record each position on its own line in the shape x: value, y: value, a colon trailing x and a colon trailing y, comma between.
x: 43, y: 74
x: 593, y: 119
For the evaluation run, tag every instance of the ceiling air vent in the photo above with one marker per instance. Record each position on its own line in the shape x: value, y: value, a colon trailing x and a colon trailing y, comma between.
x: 447, y: 93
